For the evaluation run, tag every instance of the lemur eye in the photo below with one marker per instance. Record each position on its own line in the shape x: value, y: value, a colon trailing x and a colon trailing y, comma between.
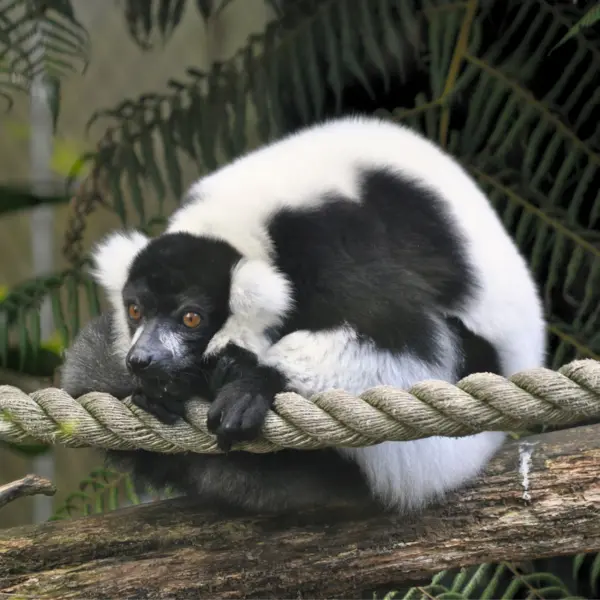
x: 191, y: 320
x: 135, y: 312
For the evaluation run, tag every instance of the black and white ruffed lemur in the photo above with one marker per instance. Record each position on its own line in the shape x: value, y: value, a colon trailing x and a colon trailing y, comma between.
x: 351, y: 254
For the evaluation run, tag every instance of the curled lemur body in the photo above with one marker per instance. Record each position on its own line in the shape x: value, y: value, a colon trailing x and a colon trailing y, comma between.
x: 352, y: 254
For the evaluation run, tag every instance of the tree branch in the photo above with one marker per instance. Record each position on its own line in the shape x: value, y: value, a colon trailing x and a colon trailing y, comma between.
x: 30, y: 485
x: 538, y: 498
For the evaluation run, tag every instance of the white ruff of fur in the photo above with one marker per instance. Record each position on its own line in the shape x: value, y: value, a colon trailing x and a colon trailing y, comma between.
x: 260, y: 298
x: 112, y: 260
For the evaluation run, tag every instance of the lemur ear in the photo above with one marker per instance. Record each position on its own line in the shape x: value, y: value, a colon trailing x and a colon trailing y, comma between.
x: 113, y: 257
x: 260, y: 293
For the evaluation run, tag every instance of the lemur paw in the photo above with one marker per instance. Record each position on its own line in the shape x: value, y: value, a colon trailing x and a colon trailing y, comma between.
x: 239, y: 411
x: 244, y: 391
x: 166, y: 410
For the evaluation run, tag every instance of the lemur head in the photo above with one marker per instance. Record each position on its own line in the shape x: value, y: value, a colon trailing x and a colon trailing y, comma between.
x: 172, y: 297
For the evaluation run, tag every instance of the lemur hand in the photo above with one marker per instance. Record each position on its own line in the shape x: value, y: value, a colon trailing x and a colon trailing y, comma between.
x: 244, y: 393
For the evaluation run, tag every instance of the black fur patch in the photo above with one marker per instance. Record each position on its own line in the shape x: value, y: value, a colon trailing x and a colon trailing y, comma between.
x: 178, y: 269
x: 479, y: 355
x: 385, y: 265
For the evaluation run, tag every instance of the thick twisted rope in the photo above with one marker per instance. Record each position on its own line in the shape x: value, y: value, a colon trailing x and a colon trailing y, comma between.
x: 479, y: 402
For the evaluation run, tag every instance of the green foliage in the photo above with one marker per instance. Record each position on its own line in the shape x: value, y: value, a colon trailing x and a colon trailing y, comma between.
x: 145, y: 17
x: 593, y: 571
x: 486, y: 582
x: 65, y: 151
x: 39, y: 36
x: 20, y: 314
x: 26, y: 450
x: 591, y: 17
x: 103, y: 490
x: 16, y: 198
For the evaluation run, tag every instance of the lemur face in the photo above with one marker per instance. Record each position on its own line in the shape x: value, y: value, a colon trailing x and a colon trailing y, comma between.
x: 175, y: 299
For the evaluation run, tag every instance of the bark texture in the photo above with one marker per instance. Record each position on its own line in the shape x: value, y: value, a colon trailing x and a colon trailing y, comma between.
x: 539, y: 497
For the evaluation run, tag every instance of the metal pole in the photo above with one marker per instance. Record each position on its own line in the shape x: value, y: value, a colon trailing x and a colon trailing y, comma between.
x: 42, y: 240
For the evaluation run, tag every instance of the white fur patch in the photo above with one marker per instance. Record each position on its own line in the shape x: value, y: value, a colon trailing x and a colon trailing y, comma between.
x: 316, y: 362
x: 113, y: 257
x: 404, y: 475
x: 260, y: 298
x: 137, y: 335
x: 235, y: 203
x: 112, y: 260
x: 407, y: 476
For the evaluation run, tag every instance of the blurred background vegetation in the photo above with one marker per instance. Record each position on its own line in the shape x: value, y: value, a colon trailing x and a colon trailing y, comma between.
x: 112, y: 108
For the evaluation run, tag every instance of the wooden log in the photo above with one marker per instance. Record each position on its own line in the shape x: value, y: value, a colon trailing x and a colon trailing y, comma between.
x: 538, y: 498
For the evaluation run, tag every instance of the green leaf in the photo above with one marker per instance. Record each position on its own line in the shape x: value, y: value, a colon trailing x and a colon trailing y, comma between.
x: 591, y: 17
x: 138, y: 15
x: 17, y: 198
x: 143, y: 17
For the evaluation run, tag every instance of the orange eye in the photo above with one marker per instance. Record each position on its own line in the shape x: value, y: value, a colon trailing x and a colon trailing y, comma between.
x: 191, y: 320
x: 134, y: 312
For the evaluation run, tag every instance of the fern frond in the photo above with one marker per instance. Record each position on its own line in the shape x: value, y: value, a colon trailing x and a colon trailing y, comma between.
x: 489, y: 582
x: 144, y: 18
x: 595, y: 575
x: 586, y: 568
x: 588, y: 20
x: 102, y: 491
x: 210, y: 117
x: 20, y: 312
x: 39, y: 37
